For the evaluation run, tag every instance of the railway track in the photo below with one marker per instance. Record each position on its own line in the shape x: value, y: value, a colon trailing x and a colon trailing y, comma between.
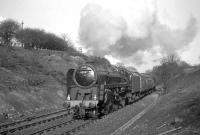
x: 60, y: 124
x: 55, y: 123
x: 32, y: 121
x: 64, y: 128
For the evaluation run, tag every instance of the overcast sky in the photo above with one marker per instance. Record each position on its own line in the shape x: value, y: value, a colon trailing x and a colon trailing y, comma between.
x: 135, y: 32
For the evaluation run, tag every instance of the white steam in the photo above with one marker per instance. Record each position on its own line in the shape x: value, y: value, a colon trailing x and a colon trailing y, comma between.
x: 130, y: 37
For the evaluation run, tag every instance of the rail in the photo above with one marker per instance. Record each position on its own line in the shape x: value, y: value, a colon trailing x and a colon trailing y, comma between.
x: 31, y: 121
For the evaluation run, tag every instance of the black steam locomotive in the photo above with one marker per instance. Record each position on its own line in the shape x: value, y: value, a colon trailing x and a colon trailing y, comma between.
x: 94, y: 91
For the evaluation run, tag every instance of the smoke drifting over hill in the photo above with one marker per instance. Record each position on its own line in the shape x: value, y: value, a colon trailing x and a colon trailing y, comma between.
x: 103, y: 33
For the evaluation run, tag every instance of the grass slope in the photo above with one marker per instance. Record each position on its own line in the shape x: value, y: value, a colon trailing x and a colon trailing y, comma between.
x: 33, y: 80
x: 179, y: 108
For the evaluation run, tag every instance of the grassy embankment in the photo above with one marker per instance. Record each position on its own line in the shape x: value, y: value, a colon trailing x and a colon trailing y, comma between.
x: 178, y: 109
x: 33, y: 80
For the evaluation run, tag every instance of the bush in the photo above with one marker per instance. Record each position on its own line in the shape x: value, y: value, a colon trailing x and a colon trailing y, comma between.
x: 36, y: 38
x: 8, y: 29
x: 169, y: 67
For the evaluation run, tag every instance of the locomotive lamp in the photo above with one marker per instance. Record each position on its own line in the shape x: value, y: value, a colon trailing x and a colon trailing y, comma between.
x: 68, y: 97
x: 95, y: 97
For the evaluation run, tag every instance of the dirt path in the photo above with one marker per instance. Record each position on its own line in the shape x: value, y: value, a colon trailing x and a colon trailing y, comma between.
x: 135, y: 118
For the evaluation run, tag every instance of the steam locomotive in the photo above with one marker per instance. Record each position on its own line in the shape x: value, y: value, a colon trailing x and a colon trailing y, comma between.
x: 94, y: 91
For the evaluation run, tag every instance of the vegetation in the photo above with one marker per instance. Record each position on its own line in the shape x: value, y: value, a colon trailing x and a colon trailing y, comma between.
x: 30, y: 38
x: 8, y: 29
x: 36, y: 38
x: 170, y: 66
x: 130, y: 68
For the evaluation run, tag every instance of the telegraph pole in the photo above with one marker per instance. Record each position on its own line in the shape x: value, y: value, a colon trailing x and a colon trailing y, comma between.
x: 22, y: 34
x: 22, y: 24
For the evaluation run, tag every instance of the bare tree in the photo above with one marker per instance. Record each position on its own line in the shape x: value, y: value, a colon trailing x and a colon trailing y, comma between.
x: 170, y: 67
x: 67, y: 39
x: 36, y: 38
x: 64, y: 36
x: 8, y: 29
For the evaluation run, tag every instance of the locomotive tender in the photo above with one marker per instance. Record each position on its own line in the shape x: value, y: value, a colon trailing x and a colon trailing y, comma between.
x: 94, y: 91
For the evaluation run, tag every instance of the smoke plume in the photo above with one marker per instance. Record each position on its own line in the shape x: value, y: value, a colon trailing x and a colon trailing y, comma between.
x: 99, y: 29
x: 102, y: 34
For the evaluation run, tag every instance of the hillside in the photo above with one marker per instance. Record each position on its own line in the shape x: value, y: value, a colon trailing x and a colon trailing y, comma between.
x: 33, y: 80
x: 177, y: 112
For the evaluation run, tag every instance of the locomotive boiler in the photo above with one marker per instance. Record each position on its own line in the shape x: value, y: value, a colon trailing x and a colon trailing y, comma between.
x: 93, y: 91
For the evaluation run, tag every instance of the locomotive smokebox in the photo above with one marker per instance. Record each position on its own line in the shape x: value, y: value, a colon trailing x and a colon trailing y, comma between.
x: 85, y: 76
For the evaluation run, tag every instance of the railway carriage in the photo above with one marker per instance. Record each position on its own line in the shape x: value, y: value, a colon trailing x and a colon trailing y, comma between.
x: 94, y: 91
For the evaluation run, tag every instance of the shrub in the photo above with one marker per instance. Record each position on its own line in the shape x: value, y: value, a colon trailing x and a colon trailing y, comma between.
x: 8, y: 29
x: 169, y: 67
x: 36, y: 38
